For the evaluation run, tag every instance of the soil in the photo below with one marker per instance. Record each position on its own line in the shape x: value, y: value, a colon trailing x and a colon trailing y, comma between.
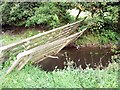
x: 12, y: 30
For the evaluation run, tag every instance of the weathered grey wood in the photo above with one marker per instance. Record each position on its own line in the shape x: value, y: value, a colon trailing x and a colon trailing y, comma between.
x: 38, y: 47
x: 36, y: 36
x: 34, y: 41
x: 15, y: 63
x: 26, y: 59
x: 39, y: 53
x: 22, y: 56
x: 1, y: 57
x: 70, y: 39
x: 52, y: 57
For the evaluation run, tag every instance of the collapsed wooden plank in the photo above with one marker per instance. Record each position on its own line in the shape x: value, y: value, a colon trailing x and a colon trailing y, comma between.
x: 39, y: 53
x: 36, y: 40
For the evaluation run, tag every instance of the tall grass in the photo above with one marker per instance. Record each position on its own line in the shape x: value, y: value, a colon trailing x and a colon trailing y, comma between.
x: 33, y: 77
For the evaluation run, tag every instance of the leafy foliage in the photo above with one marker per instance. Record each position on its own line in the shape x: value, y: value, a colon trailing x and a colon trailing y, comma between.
x: 108, y: 37
x: 14, y: 13
x: 34, y: 13
x: 103, y: 15
x: 103, y: 19
x: 46, y: 13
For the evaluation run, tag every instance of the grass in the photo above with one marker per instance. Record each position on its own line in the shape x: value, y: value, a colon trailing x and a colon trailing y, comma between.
x: 102, y: 38
x: 88, y: 39
x: 33, y: 77
x: 8, y: 39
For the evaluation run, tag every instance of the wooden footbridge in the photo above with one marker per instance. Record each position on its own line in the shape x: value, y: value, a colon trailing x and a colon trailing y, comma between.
x: 39, y: 47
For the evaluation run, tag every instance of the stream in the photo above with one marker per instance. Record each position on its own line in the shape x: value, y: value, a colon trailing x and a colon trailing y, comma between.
x: 80, y: 57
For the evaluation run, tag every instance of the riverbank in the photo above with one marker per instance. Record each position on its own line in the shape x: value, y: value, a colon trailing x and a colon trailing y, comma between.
x: 35, y: 77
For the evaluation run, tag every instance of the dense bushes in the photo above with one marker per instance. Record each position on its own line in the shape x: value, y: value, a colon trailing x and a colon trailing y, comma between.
x: 34, y: 13
x: 104, y: 15
x: 103, y: 20
x: 46, y: 13
x: 14, y: 13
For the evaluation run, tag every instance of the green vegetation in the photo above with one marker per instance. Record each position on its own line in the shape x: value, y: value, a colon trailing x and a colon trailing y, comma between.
x: 33, y: 77
x: 8, y: 39
x: 107, y: 37
x: 88, y: 39
x: 103, y: 18
x: 102, y: 24
x: 34, y: 13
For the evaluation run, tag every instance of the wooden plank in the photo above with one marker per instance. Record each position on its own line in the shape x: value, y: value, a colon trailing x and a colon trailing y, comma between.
x: 35, y: 36
x: 52, y: 57
x: 15, y: 63
x: 41, y: 51
x: 28, y: 43
x: 24, y: 62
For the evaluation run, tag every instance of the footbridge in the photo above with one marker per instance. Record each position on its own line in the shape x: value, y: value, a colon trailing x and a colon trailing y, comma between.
x: 39, y: 47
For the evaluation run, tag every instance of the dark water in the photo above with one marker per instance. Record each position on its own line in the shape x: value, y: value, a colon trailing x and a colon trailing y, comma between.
x: 92, y: 56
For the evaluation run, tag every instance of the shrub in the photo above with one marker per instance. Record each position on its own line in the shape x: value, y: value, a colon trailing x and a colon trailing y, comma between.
x: 34, y: 13
x: 45, y: 14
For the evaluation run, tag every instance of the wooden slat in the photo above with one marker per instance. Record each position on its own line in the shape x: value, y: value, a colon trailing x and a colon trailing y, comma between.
x: 42, y: 51
x: 34, y: 41
x: 35, y: 36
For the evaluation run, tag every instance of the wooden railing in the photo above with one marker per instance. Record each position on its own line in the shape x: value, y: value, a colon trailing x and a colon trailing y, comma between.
x: 39, y: 47
x: 36, y: 40
x: 42, y: 52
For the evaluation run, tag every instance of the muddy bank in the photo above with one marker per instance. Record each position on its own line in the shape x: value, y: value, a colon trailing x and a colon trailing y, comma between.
x: 13, y: 30
x: 83, y: 56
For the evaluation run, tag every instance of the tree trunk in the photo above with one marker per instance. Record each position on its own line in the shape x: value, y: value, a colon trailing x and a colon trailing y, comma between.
x: 78, y: 15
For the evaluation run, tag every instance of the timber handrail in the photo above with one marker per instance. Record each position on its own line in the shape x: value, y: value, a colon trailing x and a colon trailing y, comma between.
x: 37, y: 54
x: 36, y: 36
x: 36, y: 40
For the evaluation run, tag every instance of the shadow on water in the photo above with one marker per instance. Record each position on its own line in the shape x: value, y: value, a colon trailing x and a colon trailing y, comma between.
x: 92, y: 56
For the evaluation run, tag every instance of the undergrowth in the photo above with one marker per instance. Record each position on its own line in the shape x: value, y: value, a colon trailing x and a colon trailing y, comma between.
x: 33, y: 77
